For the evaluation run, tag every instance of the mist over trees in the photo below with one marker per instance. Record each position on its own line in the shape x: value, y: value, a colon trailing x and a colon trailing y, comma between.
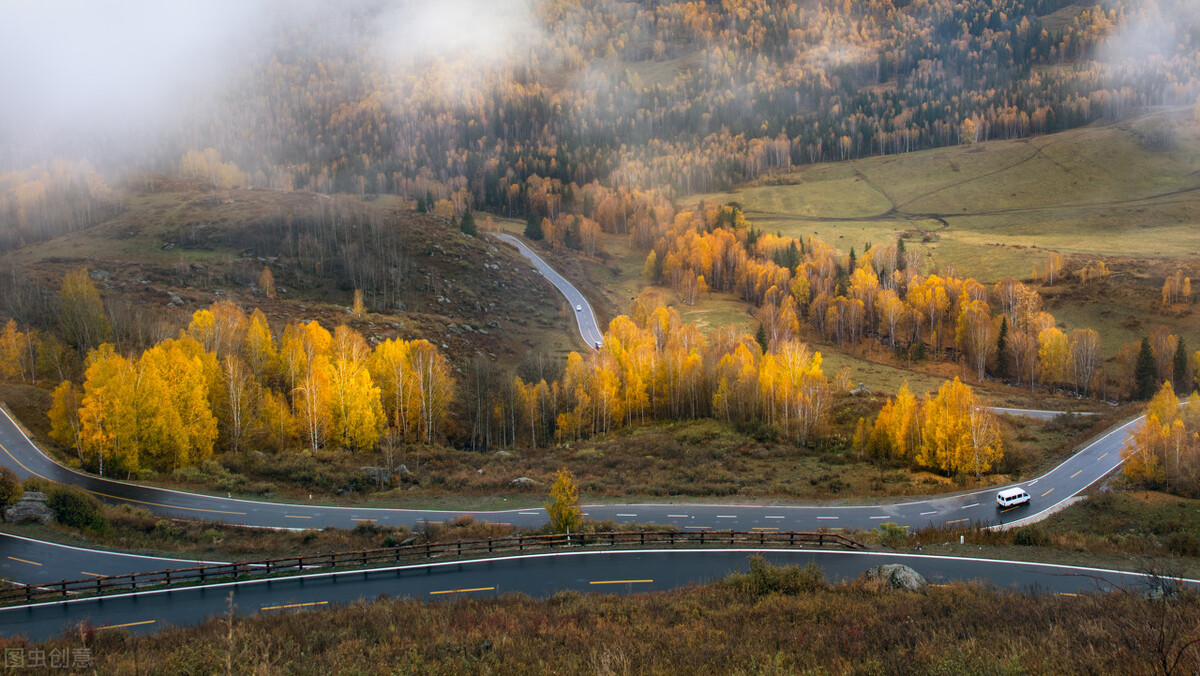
x: 520, y: 106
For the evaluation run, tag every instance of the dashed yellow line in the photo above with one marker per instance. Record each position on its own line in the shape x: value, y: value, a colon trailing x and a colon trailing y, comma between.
x: 1075, y: 474
x: 32, y: 563
x: 1067, y: 594
x: 127, y: 624
x: 699, y: 527
x: 295, y: 605
x: 1047, y: 492
x: 621, y: 581
x: 14, y: 459
x: 1102, y: 457
x: 92, y: 574
x: 292, y: 516
x: 159, y: 504
x: 1009, y: 509
x: 459, y: 591
x: 958, y: 521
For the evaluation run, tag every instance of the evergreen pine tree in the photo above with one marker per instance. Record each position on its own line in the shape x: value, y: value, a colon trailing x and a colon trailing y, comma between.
x: 1144, y: 372
x: 421, y: 206
x: 761, y: 337
x: 1181, y: 379
x: 853, y: 260
x: 900, y: 262
x: 533, y: 228
x: 467, y: 224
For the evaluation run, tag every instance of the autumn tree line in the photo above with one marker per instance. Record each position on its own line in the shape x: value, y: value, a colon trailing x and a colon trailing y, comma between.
x: 226, y: 383
x: 950, y: 432
x: 802, y: 286
x: 1163, y: 452
x: 652, y: 366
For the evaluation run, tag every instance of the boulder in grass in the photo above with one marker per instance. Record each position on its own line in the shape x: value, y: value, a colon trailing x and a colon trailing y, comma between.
x: 31, y: 507
x: 897, y: 576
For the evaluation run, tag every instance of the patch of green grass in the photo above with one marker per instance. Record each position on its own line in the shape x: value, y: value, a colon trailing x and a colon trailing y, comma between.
x: 1096, y: 191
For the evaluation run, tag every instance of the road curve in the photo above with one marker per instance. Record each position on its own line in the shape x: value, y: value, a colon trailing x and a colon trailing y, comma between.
x: 1048, y: 491
x: 589, y: 329
x: 534, y: 574
x: 35, y: 562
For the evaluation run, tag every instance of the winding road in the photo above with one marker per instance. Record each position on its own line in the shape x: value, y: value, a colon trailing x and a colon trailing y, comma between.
x: 34, y: 562
x: 589, y: 329
x: 534, y: 574
x: 1048, y: 491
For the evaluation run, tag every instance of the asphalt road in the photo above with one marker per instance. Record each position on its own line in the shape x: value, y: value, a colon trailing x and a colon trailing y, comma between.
x: 589, y: 329
x: 37, y: 562
x: 1047, y: 491
x: 1033, y: 412
x: 536, y: 574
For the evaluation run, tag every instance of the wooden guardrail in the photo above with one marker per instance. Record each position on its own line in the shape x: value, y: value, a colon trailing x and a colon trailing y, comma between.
x: 369, y: 557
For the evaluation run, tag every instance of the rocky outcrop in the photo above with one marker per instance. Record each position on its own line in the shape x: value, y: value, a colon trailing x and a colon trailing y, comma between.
x: 31, y: 507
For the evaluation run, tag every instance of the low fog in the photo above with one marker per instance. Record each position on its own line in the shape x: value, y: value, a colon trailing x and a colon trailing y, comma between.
x: 115, y: 83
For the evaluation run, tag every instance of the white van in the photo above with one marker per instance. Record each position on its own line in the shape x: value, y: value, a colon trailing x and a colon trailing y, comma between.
x: 1011, y: 497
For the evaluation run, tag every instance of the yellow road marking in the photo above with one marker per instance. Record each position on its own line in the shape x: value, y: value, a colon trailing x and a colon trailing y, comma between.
x: 1102, y: 457
x: 957, y: 520
x: 620, y: 581
x: 353, y: 518
x: 159, y: 504
x: 14, y: 458
x: 1075, y: 474
x: 458, y: 591
x: 295, y: 605
x: 1009, y: 509
x: 92, y: 574
x: 32, y: 563
x: 1067, y: 594
x: 1047, y: 492
x: 290, y: 516
x: 127, y: 624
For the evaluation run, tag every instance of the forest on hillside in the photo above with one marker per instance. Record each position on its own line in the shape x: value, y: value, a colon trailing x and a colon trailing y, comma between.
x: 600, y: 101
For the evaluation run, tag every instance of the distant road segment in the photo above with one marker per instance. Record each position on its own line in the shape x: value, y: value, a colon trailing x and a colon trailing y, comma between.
x: 589, y: 329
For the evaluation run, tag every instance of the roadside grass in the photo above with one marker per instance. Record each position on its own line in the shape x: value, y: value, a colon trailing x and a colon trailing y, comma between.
x: 135, y: 530
x: 732, y: 625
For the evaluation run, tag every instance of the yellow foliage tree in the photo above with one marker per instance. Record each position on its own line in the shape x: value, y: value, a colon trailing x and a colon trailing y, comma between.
x: 358, y: 418
x: 958, y: 435
x: 563, y: 508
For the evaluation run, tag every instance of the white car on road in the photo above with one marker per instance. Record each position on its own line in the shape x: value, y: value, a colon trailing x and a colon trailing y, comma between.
x: 1011, y: 498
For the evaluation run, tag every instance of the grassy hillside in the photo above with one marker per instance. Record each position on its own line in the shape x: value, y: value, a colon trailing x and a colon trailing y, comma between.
x: 180, y: 237
x: 991, y: 209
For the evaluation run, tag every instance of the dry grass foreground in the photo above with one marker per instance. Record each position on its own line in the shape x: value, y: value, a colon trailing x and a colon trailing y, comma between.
x: 769, y: 621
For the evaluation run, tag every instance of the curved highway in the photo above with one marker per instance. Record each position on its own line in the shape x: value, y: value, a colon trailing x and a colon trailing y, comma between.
x: 534, y: 574
x: 1047, y: 491
x: 589, y: 329
x: 35, y: 562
